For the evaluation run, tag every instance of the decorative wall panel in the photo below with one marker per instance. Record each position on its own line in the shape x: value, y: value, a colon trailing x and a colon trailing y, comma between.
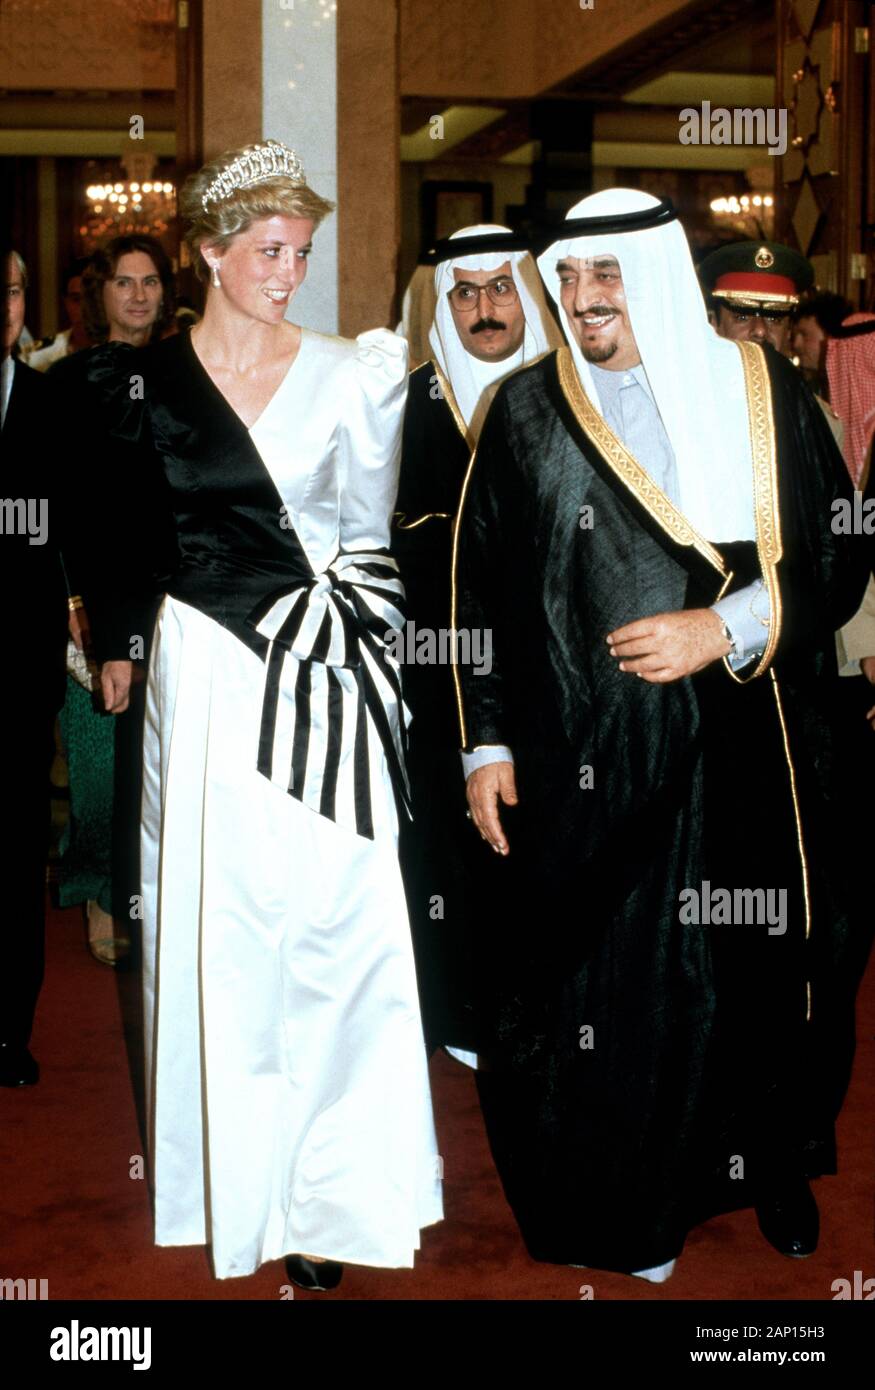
x: 113, y: 45
x: 822, y: 81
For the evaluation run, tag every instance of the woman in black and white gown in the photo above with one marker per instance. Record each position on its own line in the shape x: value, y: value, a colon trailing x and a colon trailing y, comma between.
x: 288, y: 1098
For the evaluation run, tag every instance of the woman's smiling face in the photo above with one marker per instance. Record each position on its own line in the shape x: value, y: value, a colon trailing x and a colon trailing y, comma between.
x: 263, y: 267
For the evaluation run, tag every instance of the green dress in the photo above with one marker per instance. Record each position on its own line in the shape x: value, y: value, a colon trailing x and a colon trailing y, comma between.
x: 84, y: 871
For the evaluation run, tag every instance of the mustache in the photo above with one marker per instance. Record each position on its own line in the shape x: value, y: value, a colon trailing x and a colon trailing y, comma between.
x: 600, y: 309
x: 483, y: 324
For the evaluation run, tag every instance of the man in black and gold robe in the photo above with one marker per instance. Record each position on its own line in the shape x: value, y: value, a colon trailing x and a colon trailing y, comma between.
x: 645, y: 530
x: 491, y: 318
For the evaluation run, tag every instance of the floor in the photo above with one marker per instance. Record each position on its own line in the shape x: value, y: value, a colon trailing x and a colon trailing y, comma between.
x: 74, y: 1209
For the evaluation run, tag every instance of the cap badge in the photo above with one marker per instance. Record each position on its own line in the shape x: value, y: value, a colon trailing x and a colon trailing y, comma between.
x: 764, y: 258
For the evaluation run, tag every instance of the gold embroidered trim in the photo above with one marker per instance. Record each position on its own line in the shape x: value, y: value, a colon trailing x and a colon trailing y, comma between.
x: 402, y: 524
x: 799, y: 837
x: 756, y: 297
x: 454, y: 596
x: 446, y: 391
x: 765, y: 494
x: 725, y: 585
x: 400, y: 518
x: 627, y: 467
x: 453, y: 593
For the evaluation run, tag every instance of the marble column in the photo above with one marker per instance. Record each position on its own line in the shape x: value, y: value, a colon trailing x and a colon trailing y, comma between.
x: 321, y: 75
x: 299, y: 106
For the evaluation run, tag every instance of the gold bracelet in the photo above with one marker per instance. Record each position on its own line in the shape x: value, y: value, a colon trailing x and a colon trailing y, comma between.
x: 74, y: 602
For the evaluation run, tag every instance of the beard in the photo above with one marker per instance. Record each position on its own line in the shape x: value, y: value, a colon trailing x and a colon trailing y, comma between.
x: 599, y: 354
x: 602, y: 352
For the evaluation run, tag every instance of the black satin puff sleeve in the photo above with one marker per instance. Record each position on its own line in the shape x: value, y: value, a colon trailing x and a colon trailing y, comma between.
x: 122, y: 538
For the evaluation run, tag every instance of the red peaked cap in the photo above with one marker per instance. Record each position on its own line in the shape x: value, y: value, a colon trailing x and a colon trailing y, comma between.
x: 745, y: 281
x: 758, y: 271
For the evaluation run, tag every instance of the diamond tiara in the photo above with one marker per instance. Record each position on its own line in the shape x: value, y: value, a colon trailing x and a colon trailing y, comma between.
x: 267, y: 161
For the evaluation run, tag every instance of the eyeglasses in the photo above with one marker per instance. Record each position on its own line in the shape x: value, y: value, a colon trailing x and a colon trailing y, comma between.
x: 465, y: 297
x: 768, y: 315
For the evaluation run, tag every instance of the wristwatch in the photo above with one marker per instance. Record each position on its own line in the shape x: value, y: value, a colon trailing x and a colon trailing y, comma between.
x: 733, y: 647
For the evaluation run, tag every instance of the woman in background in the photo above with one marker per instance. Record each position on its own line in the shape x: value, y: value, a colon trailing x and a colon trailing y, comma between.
x: 128, y: 297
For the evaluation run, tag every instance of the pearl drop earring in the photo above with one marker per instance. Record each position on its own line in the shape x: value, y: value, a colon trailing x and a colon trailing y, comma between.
x: 215, y: 277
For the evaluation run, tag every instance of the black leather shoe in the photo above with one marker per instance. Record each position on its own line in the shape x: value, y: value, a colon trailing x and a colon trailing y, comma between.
x: 17, y: 1067
x: 318, y: 1276
x: 790, y: 1221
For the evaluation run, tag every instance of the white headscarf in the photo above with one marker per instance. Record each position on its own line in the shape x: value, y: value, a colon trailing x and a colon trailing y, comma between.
x: 417, y: 314
x: 697, y: 379
x: 474, y: 382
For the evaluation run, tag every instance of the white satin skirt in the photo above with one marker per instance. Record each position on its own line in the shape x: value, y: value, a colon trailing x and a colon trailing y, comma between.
x: 288, y: 1096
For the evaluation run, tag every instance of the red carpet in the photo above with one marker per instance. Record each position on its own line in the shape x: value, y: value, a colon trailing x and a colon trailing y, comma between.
x: 71, y: 1213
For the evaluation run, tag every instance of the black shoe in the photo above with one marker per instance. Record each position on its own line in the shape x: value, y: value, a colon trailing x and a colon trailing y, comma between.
x: 789, y: 1220
x: 316, y: 1276
x: 17, y: 1067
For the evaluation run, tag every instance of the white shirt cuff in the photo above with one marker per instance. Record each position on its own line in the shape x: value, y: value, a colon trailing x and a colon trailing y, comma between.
x: 487, y: 753
x: 746, y: 614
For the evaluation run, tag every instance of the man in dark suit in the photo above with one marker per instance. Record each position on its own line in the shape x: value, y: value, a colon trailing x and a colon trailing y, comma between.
x: 34, y: 593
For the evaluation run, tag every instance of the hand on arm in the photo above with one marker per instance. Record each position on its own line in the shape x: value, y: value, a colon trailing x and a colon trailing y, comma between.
x: 669, y: 646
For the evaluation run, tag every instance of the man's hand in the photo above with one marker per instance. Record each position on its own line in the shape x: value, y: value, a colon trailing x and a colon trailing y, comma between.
x: 484, y: 788
x: 669, y: 646
x: 115, y: 683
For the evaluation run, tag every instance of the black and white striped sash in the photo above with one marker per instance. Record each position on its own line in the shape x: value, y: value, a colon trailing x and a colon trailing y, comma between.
x: 327, y: 670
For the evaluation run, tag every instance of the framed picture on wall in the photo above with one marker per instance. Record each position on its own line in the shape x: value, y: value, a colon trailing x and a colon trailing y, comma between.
x: 449, y: 205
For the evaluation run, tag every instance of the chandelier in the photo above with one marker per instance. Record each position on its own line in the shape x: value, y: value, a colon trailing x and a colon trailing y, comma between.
x: 139, y: 203
x: 746, y: 214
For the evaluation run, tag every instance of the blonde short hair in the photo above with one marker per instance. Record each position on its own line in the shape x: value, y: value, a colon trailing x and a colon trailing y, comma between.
x: 220, y: 222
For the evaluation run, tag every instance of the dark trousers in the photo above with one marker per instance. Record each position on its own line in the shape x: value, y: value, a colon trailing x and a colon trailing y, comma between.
x: 24, y: 839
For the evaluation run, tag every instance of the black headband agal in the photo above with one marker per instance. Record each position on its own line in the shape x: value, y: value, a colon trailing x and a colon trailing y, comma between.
x: 451, y: 248
x: 639, y: 221
x: 853, y: 330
